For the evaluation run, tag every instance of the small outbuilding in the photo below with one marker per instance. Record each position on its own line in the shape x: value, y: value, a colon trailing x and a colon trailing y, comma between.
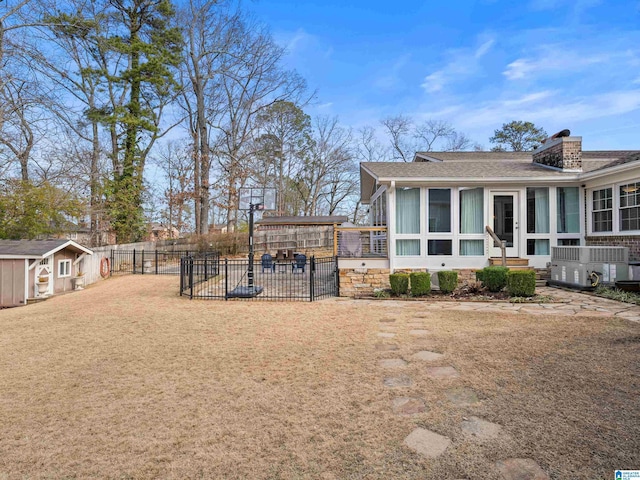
x: 35, y: 269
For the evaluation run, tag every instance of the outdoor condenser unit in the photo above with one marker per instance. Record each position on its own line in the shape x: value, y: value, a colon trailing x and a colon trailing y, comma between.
x: 588, y: 267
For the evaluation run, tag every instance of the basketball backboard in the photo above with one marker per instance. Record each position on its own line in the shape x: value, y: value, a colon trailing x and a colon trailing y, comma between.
x: 260, y: 198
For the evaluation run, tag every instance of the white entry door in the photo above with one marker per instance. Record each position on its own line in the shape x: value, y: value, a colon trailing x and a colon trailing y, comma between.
x: 505, y: 208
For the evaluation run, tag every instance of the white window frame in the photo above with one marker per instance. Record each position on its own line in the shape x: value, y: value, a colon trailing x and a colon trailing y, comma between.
x: 459, y: 236
x: 453, y: 224
x: 411, y: 236
x: 592, y: 211
x: 615, y: 186
x: 554, y: 207
x: 618, y: 187
x: 62, y: 263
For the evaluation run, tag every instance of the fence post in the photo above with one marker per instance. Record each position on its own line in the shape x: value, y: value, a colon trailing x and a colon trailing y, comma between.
x: 181, y: 275
x: 142, y: 262
x: 206, y: 273
x: 156, y: 261
x: 134, y: 260
x: 226, y: 278
x: 312, y: 269
x: 111, y: 263
x: 191, y: 276
x: 336, y: 273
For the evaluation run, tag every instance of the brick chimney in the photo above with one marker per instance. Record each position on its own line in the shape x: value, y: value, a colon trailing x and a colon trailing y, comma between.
x: 560, y: 151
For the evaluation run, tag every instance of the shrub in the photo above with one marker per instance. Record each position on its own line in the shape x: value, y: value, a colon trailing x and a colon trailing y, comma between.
x: 399, y: 283
x: 479, y: 275
x: 521, y: 283
x: 494, y: 278
x: 448, y: 280
x: 420, y: 283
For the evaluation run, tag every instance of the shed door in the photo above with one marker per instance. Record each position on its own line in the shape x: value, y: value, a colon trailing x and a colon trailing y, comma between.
x: 44, y: 269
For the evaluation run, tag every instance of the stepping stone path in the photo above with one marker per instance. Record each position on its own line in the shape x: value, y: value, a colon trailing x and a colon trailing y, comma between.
x: 462, y: 396
x: 386, y: 347
x: 388, y: 320
x: 398, y: 382
x: 427, y: 356
x: 442, y: 372
x: 427, y: 443
x: 409, y: 405
x: 481, y: 429
x: 418, y: 332
x: 392, y: 363
x: 386, y: 335
x: 521, y: 469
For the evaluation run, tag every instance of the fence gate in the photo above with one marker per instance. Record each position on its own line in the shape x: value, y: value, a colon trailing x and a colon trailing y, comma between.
x: 151, y: 262
x: 308, y: 280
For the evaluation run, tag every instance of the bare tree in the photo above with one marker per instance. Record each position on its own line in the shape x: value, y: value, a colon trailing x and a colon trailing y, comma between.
x: 326, y: 179
x: 406, y: 137
x: 253, y: 80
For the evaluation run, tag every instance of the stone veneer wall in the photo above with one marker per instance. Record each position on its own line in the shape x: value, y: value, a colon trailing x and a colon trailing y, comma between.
x: 566, y: 154
x: 359, y: 282
x: 632, y: 242
x: 362, y: 282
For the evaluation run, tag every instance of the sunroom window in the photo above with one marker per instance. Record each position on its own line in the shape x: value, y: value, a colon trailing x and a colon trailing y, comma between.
x: 630, y: 207
x: 471, y: 210
x: 408, y: 210
x: 439, y: 210
x: 538, y: 210
x: 602, y: 216
x: 568, y: 199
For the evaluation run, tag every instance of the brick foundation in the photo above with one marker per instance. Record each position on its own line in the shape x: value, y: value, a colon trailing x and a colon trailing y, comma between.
x: 630, y: 241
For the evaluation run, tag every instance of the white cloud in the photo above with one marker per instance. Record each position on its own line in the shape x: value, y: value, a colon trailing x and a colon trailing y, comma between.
x: 435, y: 82
x: 637, y: 81
x: 564, y: 59
x: 461, y: 63
x: 323, y: 106
x: 545, y: 108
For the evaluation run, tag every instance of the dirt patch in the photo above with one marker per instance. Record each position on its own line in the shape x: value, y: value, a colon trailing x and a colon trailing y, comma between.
x: 127, y: 380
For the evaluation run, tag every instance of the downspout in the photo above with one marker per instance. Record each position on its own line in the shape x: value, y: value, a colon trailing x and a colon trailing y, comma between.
x: 391, y: 228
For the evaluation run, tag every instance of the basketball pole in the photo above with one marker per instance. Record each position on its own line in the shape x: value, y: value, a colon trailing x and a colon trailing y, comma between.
x: 252, y: 207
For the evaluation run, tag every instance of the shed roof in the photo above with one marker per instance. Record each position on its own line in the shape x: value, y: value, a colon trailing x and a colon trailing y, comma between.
x: 38, y: 248
x: 302, y: 220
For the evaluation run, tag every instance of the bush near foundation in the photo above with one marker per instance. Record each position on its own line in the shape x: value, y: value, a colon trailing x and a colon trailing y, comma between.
x: 521, y: 283
x: 494, y: 278
x: 420, y: 283
x: 399, y: 283
x: 448, y: 281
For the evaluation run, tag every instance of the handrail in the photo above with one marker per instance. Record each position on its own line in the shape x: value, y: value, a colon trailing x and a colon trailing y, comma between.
x: 502, y: 244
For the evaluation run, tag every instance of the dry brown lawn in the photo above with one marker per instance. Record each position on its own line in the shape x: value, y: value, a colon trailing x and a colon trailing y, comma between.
x: 127, y: 380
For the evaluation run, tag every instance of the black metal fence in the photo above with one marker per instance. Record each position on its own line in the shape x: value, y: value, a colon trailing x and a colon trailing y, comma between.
x: 152, y: 262
x: 312, y: 279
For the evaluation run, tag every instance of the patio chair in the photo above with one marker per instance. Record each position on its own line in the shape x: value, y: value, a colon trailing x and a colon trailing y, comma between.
x: 267, y: 263
x: 299, y: 263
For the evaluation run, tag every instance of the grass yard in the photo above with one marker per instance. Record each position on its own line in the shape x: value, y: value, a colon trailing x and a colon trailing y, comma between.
x: 126, y: 380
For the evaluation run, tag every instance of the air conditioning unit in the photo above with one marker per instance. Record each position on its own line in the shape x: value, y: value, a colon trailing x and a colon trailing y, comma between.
x: 588, y: 267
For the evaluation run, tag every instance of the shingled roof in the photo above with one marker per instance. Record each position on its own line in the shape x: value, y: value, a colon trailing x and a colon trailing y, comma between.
x: 37, y: 248
x: 479, y: 167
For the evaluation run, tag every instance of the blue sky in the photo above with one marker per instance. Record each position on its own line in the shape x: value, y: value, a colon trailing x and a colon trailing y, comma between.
x: 557, y: 63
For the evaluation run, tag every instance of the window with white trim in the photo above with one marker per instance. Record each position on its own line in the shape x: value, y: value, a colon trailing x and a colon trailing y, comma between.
x: 602, y: 210
x: 64, y: 268
x: 630, y: 207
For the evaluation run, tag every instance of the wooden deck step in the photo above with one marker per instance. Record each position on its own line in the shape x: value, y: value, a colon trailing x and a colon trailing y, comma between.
x: 511, y: 262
